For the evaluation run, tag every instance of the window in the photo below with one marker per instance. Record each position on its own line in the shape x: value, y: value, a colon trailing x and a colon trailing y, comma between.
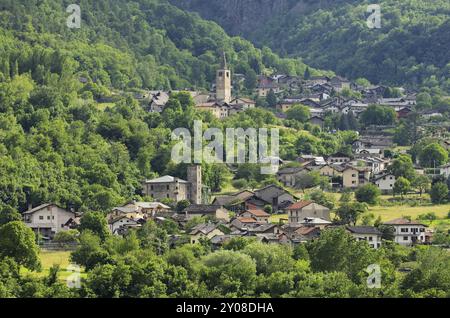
x: 370, y: 238
x: 151, y: 188
x: 220, y: 74
x: 41, y: 217
x: 404, y: 230
x: 62, y: 225
x: 405, y: 238
x: 53, y: 217
x: 48, y: 217
x: 168, y: 187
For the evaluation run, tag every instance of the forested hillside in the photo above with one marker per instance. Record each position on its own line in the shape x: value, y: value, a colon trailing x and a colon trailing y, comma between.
x: 145, y: 43
x: 412, y: 45
x: 56, y: 142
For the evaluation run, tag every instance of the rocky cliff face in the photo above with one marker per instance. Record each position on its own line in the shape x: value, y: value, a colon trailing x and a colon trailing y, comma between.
x: 238, y: 17
x: 248, y: 18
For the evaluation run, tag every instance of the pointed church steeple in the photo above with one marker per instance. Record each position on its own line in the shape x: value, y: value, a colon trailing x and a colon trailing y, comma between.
x: 224, y: 64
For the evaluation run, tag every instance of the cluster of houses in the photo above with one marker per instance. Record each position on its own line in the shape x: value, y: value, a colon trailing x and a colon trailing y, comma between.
x: 219, y: 102
x: 320, y: 93
x: 366, y: 165
x: 242, y: 214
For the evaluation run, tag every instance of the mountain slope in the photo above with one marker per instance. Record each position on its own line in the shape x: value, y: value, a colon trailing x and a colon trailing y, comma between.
x: 154, y: 44
x: 411, y: 47
x: 57, y: 143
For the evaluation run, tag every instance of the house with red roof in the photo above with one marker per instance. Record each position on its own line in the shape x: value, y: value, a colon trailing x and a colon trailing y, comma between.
x: 257, y: 214
x: 300, y: 210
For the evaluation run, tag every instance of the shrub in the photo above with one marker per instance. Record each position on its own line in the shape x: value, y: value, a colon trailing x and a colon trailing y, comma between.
x: 368, y: 193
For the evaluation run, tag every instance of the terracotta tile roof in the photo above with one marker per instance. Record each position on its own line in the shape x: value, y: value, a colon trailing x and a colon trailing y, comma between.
x: 305, y: 230
x: 258, y: 213
x: 299, y: 205
x: 246, y: 220
x: 402, y: 221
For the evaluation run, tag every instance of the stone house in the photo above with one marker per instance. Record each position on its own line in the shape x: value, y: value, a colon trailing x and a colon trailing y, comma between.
x: 288, y: 176
x: 217, y: 212
x: 274, y: 195
x: 168, y: 187
x: 204, y: 231
x: 257, y: 214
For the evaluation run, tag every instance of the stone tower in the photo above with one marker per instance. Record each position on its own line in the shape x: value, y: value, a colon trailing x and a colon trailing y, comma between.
x: 223, y: 82
x: 194, y: 177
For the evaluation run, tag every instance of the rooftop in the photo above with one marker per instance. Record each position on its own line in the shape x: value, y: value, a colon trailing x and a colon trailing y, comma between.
x: 202, y: 208
x: 402, y: 221
x: 299, y: 205
x: 258, y: 213
x: 363, y: 230
x: 166, y: 179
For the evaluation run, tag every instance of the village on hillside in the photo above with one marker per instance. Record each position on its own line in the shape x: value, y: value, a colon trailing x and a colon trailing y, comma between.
x: 216, y: 219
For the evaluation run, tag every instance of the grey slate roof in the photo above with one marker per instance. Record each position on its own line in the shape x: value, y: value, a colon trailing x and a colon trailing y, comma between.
x: 166, y: 179
x: 364, y: 230
x: 202, y: 208
x: 203, y: 228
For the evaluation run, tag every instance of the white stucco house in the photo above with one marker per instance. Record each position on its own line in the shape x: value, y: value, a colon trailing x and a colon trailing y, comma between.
x: 385, y: 183
x: 408, y: 232
x: 369, y: 234
x: 118, y: 225
x: 48, y: 219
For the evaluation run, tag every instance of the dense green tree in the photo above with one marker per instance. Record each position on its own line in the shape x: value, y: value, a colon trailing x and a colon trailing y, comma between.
x: 270, y: 258
x: 229, y: 272
x: 368, y: 193
x: 378, y: 115
x: 299, y: 113
x: 18, y: 242
x: 336, y: 250
x: 8, y: 214
x: 422, y: 183
x: 433, y: 156
x: 402, y: 166
x: 349, y: 212
x: 95, y: 222
x: 402, y: 186
x: 90, y: 252
x: 438, y: 192
x: 271, y: 99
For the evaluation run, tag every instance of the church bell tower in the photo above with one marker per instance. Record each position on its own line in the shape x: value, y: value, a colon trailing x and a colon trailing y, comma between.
x: 223, y: 82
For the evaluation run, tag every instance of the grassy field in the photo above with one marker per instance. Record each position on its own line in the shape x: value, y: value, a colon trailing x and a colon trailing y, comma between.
x: 394, y: 212
x: 50, y: 258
